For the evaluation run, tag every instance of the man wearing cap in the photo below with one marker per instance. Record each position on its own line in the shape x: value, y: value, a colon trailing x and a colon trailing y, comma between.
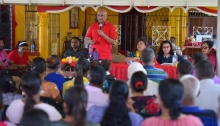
x: 102, y: 35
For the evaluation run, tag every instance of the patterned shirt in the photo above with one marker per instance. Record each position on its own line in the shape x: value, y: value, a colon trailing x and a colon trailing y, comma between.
x: 50, y: 90
x: 155, y: 74
x: 78, y: 54
x: 9, y: 97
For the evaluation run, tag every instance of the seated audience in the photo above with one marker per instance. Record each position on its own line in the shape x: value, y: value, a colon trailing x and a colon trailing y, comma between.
x: 153, y: 73
x: 136, y: 54
x: 75, y: 51
x: 165, y: 53
x: 49, y: 89
x: 170, y: 96
x: 196, y: 58
x: 143, y: 105
x: 31, y: 85
x: 208, y: 50
x: 35, y: 117
x: 96, y: 96
x: 106, y: 64
x: 191, y: 90
x: 152, y: 87
x: 19, y: 56
x: 75, y: 102
x: 82, y: 70
x: 7, y: 87
x: 184, y: 67
x: 53, y: 64
x: 119, y: 112
x: 65, y: 68
x: 209, y: 91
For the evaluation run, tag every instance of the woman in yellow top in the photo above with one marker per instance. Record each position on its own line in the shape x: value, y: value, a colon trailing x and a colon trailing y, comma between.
x: 82, y: 70
x: 136, y: 54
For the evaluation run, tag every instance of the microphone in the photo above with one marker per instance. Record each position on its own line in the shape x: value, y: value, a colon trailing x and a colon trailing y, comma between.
x: 100, y: 26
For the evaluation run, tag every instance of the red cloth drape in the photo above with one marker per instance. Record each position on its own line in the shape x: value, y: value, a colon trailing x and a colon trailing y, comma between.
x: 119, y: 70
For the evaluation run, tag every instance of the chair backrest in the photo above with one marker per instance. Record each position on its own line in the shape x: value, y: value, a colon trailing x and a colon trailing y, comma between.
x: 51, y: 102
x: 118, y: 58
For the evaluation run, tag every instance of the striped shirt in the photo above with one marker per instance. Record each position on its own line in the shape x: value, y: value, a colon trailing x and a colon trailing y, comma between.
x: 155, y: 74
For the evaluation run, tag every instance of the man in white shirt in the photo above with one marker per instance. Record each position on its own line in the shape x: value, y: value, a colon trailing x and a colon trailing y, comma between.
x: 209, y: 91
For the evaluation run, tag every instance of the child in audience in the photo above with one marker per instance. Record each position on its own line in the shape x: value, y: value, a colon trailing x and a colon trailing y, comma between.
x: 31, y: 84
x: 66, y: 67
x: 144, y: 105
x: 170, y: 96
x: 82, y: 70
x: 49, y: 89
x: 119, y: 112
x: 53, y: 64
x: 7, y: 87
x: 35, y: 117
x: 107, y: 66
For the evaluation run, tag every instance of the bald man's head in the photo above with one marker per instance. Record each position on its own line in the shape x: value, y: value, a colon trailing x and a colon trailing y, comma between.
x: 191, y: 86
x: 102, y: 16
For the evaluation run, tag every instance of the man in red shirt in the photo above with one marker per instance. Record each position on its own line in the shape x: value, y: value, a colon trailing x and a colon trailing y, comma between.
x: 102, y: 35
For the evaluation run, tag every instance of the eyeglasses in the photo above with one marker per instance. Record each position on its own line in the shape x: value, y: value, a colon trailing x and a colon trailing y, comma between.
x: 204, y: 47
x: 164, y: 47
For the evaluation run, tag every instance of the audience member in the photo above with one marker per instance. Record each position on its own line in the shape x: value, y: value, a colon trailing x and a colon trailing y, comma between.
x: 106, y: 64
x: 96, y: 96
x: 4, y: 60
x: 153, y: 73
x: 152, y: 87
x: 31, y: 85
x: 53, y: 64
x: 7, y: 87
x: 18, y: 56
x: 143, y: 105
x: 75, y: 102
x: 174, y: 46
x: 49, y: 89
x: 119, y: 112
x: 82, y: 70
x: 169, y: 99
x: 76, y: 51
x: 208, y: 50
x: 35, y: 117
x: 184, y: 67
x: 191, y: 90
x: 136, y: 54
x: 196, y: 58
x: 209, y: 91
x: 67, y: 71
x: 165, y: 53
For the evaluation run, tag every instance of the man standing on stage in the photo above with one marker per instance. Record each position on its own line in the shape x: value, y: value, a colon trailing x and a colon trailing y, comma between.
x: 102, y: 35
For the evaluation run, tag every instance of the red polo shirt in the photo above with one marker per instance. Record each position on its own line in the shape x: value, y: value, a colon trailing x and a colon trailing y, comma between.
x: 103, y: 47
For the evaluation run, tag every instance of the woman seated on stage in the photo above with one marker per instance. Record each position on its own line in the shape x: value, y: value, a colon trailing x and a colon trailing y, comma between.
x: 136, y: 54
x: 18, y: 56
x: 210, y: 52
x: 165, y: 53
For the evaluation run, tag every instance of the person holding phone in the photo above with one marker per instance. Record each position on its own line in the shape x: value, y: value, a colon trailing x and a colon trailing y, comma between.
x: 4, y: 60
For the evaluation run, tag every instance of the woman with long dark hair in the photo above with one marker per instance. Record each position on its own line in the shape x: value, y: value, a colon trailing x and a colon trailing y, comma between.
x: 165, y: 53
x: 82, y: 70
x: 49, y: 89
x: 119, y: 112
x: 75, y: 102
x: 31, y: 85
x: 170, y: 97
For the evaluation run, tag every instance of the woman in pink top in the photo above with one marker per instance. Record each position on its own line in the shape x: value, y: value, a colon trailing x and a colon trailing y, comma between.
x: 169, y: 99
x: 210, y: 52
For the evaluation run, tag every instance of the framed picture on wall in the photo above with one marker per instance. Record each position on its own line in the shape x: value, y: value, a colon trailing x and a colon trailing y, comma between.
x: 74, y: 17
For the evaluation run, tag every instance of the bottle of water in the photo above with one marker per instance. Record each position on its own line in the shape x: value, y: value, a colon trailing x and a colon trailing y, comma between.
x: 90, y: 51
x: 70, y: 59
x: 32, y: 46
x: 175, y: 58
